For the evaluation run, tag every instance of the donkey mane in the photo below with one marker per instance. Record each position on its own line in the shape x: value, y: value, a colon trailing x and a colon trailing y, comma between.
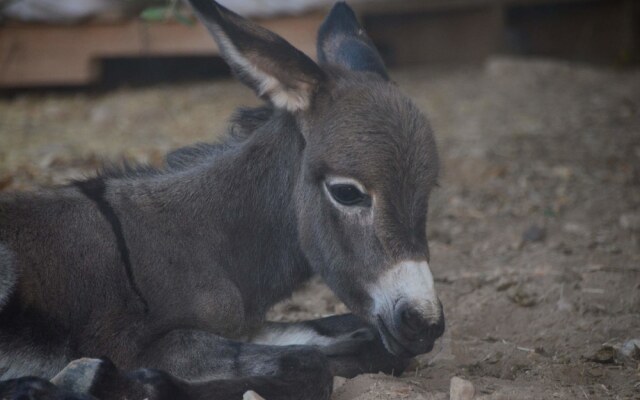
x: 242, y: 124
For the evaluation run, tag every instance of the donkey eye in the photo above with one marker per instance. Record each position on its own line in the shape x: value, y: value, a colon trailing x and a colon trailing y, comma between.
x: 348, y: 195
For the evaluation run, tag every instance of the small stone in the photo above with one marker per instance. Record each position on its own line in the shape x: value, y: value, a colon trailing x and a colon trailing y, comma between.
x: 534, y: 233
x: 523, y: 298
x: 505, y: 284
x: 575, y: 228
x: 494, y: 358
x: 461, y: 389
x: 490, y: 339
x: 631, y: 349
x: 630, y: 222
x: 338, y: 381
x: 564, y: 305
x: 596, y: 372
x: 489, y: 389
x: 251, y: 395
x: 604, y: 355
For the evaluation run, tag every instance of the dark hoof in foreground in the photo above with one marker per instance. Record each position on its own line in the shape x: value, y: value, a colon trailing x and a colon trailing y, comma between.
x: 32, y: 388
x: 99, y: 378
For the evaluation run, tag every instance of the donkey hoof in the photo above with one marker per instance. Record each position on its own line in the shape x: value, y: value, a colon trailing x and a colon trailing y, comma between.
x: 33, y: 388
x: 27, y: 388
x: 80, y: 375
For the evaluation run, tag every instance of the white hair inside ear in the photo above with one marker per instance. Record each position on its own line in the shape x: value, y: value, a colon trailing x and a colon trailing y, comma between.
x: 261, y: 59
x: 290, y: 99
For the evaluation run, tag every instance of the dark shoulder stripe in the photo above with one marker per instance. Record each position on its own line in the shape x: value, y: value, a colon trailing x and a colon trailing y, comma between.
x: 95, y: 189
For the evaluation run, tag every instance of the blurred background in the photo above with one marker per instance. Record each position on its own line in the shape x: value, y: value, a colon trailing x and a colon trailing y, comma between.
x: 82, y: 42
x: 535, y: 104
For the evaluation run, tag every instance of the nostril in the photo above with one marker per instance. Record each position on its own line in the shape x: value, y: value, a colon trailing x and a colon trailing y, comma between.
x: 413, y: 325
x: 411, y: 320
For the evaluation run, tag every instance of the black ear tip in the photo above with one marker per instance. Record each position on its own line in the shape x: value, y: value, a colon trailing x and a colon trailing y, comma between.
x: 342, y: 41
x: 341, y: 18
x: 341, y: 5
x: 341, y: 10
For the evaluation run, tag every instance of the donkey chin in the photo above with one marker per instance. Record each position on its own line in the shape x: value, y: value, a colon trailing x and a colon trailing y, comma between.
x: 406, y: 310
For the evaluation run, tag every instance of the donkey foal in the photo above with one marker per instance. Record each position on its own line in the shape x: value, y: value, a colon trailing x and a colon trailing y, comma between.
x: 173, y: 270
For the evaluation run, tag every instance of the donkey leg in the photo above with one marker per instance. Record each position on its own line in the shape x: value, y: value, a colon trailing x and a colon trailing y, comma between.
x: 352, y: 346
x: 231, y: 368
x: 300, y: 378
x: 36, y: 389
x: 82, y: 379
x: 302, y: 373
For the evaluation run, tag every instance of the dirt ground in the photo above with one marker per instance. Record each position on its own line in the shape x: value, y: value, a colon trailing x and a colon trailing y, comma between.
x: 534, y: 233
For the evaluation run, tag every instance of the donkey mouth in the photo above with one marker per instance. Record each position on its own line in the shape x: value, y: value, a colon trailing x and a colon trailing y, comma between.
x: 393, y: 344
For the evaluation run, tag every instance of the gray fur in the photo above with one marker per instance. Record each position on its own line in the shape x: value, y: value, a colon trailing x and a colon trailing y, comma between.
x: 8, y: 275
x: 171, y: 268
x: 21, y: 357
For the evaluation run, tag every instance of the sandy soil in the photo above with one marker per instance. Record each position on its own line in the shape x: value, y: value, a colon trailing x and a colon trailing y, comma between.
x: 535, y: 231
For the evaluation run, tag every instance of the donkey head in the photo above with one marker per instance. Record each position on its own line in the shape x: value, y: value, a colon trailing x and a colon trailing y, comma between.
x: 368, y: 165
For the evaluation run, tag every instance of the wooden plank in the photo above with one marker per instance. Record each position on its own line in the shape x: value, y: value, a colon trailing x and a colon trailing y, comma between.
x: 443, y: 36
x: 407, y: 31
x: 468, y: 31
x: 407, y: 6
x: 596, y: 31
x: 33, y: 54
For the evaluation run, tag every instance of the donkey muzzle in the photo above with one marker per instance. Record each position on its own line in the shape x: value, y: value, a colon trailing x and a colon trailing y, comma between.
x: 407, y: 333
x: 407, y: 312
x: 417, y: 332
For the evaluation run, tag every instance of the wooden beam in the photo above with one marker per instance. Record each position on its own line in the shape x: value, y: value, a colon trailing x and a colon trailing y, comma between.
x: 34, y: 54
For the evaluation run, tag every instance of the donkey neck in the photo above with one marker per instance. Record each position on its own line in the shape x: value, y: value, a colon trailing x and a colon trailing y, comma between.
x: 241, y: 200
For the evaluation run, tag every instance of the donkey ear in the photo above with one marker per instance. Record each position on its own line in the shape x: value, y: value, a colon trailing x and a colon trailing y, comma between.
x: 262, y: 60
x: 342, y: 41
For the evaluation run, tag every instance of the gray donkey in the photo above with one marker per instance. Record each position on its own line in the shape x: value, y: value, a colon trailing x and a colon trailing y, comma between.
x: 173, y: 270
